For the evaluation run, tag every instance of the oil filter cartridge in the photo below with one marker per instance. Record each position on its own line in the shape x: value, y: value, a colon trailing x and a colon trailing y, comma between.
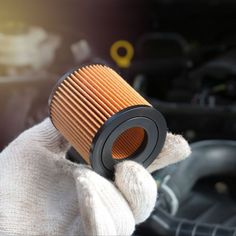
x: 105, y: 119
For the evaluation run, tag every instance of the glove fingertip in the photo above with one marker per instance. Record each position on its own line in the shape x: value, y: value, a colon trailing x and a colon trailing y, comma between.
x: 138, y: 187
x: 175, y: 149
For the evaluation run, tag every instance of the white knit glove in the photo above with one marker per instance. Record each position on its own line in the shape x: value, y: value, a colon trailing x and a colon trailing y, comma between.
x: 42, y: 193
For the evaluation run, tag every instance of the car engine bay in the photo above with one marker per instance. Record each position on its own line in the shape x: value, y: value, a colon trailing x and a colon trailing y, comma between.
x: 182, y: 60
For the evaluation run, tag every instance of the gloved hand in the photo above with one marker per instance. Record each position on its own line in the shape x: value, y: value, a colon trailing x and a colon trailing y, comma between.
x: 42, y: 193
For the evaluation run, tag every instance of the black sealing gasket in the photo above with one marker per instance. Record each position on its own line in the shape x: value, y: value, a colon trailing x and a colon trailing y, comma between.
x: 142, y: 116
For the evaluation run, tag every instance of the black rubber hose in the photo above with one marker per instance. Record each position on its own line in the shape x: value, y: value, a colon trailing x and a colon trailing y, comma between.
x: 163, y: 224
x: 208, y: 158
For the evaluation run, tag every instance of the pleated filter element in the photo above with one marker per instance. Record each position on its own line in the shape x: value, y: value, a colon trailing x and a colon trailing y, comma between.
x: 91, y: 100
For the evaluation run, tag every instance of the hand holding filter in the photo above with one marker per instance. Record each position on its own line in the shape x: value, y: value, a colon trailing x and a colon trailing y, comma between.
x: 105, y: 119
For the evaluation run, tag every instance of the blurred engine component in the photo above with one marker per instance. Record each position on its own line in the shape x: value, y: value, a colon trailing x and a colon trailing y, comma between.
x: 25, y: 80
x: 22, y: 46
x: 81, y: 51
x: 215, y: 81
x: 23, y: 103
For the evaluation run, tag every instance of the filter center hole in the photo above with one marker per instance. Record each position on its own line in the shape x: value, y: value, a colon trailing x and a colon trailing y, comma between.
x: 129, y: 143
